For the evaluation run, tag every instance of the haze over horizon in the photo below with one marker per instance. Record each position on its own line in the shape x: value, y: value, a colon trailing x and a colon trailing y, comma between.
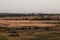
x: 29, y: 6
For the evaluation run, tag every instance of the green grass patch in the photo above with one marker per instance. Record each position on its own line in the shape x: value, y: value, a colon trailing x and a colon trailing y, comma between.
x: 41, y: 37
x: 3, y: 37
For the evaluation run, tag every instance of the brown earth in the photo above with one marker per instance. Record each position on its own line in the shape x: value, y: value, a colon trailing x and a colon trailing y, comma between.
x: 20, y: 23
x: 31, y: 34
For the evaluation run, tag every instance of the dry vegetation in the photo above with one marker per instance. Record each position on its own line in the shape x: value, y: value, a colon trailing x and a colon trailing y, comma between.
x: 30, y: 28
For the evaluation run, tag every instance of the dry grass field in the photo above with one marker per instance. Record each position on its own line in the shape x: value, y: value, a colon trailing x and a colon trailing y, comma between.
x: 20, y: 28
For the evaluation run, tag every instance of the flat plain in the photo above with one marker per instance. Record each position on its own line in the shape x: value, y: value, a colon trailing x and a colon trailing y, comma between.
x: 30, y: 28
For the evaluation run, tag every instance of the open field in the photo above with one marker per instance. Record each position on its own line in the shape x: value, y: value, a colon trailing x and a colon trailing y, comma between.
x: 30, y: 27
x: 21, y: 23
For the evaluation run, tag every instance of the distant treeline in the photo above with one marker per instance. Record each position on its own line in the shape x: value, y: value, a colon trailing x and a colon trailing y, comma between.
x: 41, y: 16
x: 21, y: 14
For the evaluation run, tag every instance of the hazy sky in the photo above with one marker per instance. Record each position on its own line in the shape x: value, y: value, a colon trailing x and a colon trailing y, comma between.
x: 25, y: 6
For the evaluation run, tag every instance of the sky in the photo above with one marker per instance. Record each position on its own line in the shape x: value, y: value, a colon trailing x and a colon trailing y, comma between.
x: 30, y: 6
